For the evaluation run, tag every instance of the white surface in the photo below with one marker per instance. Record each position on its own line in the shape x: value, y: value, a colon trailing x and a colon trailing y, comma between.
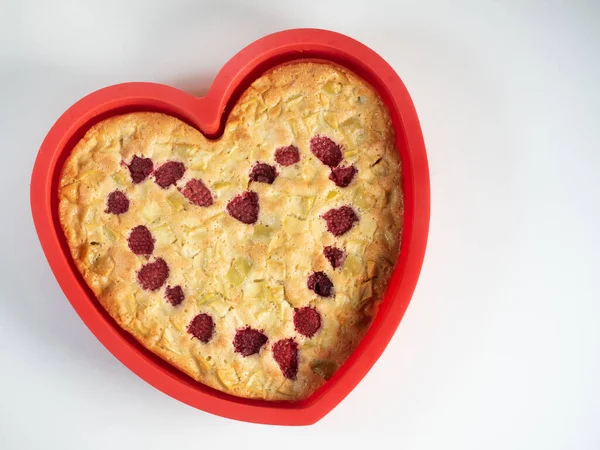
x: 500, y: 348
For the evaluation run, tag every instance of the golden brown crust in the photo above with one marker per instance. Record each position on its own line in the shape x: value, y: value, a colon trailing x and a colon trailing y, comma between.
x: 287, y: 106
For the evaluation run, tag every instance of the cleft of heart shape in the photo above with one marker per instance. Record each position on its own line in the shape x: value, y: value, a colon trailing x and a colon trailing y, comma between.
x: 254, y: 263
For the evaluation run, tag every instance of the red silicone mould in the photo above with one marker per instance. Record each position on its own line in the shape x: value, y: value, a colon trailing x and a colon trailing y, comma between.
x: 209, y: 114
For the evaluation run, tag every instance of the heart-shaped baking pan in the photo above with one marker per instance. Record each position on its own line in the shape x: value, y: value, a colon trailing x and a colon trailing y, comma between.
x: 209, y: 114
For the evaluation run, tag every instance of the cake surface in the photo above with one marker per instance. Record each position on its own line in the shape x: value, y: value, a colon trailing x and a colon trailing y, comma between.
x: 254, y: 263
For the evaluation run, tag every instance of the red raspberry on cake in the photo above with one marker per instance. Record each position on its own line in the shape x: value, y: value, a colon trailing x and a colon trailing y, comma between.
x: 140, y: 168
x: 174, y: 295
x: 263, y: 173
x: 248, y: 341
x: 335, y: 256
x: 117, y: 203
x: 286, y: 156
x: 153, y: 275
x: 285, y: 353
x: 320, y: 284
x: 140, y: 241
x: 197, y: 193
x: 244, y: 207
x: 328, y: 152
x: 202, y: 327
x: 340, y: 220
x: 169, y: 173
x: 342, y: 176
x: 307, y: 321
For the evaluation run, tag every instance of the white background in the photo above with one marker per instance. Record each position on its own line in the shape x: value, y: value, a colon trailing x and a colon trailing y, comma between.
x: 500, y: 347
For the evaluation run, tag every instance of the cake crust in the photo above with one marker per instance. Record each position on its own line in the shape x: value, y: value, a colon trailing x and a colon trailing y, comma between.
x: 290, y: 127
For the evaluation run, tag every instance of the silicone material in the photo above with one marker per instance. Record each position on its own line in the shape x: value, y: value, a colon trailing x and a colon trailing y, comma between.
x: 208, y: 114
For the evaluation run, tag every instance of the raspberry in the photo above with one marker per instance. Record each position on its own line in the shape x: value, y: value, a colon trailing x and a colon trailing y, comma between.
x: 140, y: 168
x: 244, y: 207
x: 117, y: 203
x: 320, y: 283
x: 335, y: 256
x: 202, y: 327
x: 140, y: 241
x: 153, y: 275
x: 285, y: 353
x: 340, y: 220
x: 286, y: 156
x: 248, y: 341
x: 328, y: 152
x: 197, y: 193
x: 342, y: 176
x: 263, y: 173
x: 174, y: 295
x: 168, y: 173
x: 307, y: 321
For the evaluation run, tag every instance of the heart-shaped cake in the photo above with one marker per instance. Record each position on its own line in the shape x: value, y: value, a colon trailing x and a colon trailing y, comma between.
x: 254, y: 263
